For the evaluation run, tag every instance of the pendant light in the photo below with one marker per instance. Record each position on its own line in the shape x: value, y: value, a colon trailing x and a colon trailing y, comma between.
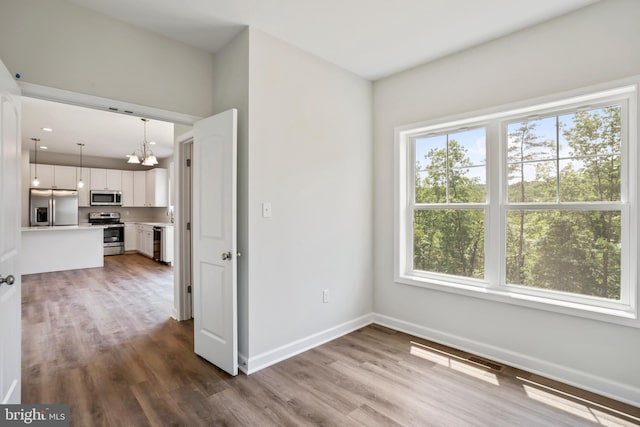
x: 36, y: 181
x: 147, y: 158
x: 80, y: 183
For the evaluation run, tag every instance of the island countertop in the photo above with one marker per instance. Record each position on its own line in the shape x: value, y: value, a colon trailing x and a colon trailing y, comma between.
x: 62, y: 227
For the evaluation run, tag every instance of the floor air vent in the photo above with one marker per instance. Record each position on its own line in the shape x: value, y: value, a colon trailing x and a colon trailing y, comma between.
x: 489, y: 364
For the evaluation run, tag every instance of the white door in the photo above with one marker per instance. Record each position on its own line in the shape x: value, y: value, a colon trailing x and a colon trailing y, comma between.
x: 214, y: 240
x: 10, y: 328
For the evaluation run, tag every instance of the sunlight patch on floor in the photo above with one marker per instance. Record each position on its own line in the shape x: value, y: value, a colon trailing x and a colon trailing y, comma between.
x: 454, y: 362
x: 577, y: 406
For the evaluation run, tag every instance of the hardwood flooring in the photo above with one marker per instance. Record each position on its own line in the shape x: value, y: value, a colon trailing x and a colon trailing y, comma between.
x: 102, y: 341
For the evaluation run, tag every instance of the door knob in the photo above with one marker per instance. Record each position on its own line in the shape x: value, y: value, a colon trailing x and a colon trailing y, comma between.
x: 9, y: 280
x: 226, y: 256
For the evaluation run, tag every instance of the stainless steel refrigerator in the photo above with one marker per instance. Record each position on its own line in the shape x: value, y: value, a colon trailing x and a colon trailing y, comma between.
x: 53, y: 207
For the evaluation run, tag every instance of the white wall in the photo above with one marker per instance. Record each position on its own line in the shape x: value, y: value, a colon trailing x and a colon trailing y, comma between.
x: 594, y: 45
x: 231, y: 90
x: 310, y: 156
x: 59, y: 44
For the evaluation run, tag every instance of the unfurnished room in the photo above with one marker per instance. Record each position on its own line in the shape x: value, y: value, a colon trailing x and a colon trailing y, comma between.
x: 336, y: 213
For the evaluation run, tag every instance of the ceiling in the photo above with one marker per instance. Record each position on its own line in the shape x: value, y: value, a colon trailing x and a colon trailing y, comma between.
x: 104, y: 134
x: 371, y: 38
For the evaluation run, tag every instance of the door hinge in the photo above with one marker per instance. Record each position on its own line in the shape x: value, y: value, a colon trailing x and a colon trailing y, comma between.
x: 188, y: 289
x: 188, y: 163
x: 188, y: 226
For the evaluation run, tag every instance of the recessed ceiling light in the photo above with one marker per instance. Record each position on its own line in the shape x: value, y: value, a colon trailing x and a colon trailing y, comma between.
x: 47, y: 129
x: 43, y: 147
x: 152, y: 143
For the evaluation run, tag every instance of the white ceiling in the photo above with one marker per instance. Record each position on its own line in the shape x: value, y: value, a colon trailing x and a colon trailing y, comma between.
x: 104, y: 134
x: 371, y: 38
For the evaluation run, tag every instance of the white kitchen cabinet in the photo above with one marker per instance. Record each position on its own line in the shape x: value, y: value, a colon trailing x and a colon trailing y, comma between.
x: 127, y: 189
x: 64, y: 177
x: 45, y: 175
x: 145, y: 240
x: 130, y: 237
x: 157, y: 187
x: 55, y: 176
x: 106, y: 179
x: 114, y: 179
x: 166, y: 254
x: 139, y: 188
x: 83, y: 193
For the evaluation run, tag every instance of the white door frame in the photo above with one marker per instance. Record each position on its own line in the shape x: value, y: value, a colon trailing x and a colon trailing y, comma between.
x: 180, y: 311
x: 183, y: 309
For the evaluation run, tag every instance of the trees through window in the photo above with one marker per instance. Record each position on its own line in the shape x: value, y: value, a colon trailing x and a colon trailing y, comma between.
x: 534, y: 202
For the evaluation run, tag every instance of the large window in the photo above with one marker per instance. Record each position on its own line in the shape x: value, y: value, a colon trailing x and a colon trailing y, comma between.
x: 534, y: 205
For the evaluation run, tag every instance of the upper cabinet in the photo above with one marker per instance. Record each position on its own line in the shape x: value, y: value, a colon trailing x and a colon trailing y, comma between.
x: 106, y: 179
x: 50, y: 176
x: 127, y: 188
x: 65, y: 177
x: 44, y: 174
x: 157, y: 195
x: 83, y: 193
x: 139, y: 188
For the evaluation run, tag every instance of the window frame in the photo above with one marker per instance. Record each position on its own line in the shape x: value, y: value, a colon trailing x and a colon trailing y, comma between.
x: 495, y: 122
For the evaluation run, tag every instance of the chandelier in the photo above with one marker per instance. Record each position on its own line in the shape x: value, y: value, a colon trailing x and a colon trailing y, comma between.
x: 146, y: 158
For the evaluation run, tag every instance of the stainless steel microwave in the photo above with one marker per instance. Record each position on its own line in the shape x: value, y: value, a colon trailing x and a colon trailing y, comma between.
x: 106, y: 198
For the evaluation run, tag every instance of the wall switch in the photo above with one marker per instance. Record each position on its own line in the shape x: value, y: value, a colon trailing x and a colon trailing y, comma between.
x: 266, y: 209
x: 325, y: 296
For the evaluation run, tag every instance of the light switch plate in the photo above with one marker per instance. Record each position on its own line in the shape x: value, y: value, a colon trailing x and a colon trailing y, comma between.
x: 266, y: 209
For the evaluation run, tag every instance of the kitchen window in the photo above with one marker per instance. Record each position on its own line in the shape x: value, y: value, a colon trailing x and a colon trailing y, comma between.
x: 533, y: 205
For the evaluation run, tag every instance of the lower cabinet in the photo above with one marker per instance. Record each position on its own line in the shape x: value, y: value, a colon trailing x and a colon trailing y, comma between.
x: 145, y: 240
x: 130, y: 237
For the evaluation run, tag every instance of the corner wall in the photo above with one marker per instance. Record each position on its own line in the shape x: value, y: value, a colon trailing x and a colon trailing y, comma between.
x: 58, y: 44
x: 310, y: 156
x: 593, y: 45
x: 231, y: 90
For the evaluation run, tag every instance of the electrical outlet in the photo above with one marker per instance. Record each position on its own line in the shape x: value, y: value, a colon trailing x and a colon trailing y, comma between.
x: 325, y: 296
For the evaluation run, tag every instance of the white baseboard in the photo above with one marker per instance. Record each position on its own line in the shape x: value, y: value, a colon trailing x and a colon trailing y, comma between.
x: 242, y: 363
x: 567, y: 375
x: 261, y: 361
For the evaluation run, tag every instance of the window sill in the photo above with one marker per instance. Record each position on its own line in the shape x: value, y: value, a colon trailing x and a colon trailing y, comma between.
x: 626, y: 316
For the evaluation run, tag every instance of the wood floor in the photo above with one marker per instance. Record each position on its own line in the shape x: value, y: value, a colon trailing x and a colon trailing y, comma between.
x: 102, y: 341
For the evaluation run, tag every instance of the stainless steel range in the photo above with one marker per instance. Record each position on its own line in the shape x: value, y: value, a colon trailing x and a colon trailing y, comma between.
x: 113, y: 231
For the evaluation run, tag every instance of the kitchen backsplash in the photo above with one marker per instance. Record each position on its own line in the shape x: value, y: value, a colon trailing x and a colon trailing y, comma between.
x: 129, y: 214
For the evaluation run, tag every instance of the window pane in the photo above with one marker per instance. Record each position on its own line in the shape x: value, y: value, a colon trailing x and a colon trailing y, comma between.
x: 449, y: 241
x: 590, y: 179
x: 451, y: 168
x: 532, y: 140
x: 472, y: 143
x: 591, y: 133
x: 431, y: 169
x: 569, y: 251
x: 532, y: 182
x: 468, y: 185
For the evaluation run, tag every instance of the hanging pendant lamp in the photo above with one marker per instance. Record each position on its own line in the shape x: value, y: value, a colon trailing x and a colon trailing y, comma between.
x: 80, y: 183
x: 36, y: 181
x: 146, y: 158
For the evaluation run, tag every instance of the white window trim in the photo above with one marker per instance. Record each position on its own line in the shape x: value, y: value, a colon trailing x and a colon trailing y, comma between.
x: 624, y: 312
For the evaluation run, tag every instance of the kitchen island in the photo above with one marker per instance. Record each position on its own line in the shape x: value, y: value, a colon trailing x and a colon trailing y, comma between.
x: 58, y: 248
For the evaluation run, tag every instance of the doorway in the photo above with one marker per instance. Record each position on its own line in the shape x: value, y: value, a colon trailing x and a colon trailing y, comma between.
x: 182, y: 166
x: 181, y: 121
